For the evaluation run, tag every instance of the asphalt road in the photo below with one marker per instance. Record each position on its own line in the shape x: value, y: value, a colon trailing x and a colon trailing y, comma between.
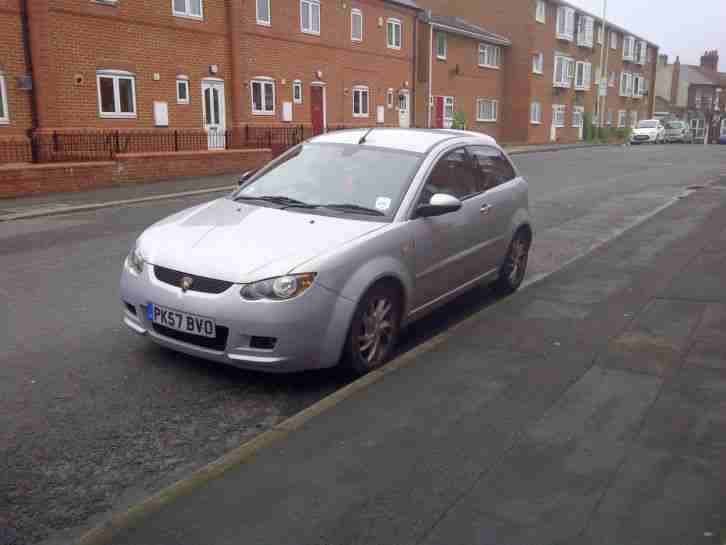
x: 93, y: 418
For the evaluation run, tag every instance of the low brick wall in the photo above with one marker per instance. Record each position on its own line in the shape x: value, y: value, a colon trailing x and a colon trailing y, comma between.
x: 19, y: 180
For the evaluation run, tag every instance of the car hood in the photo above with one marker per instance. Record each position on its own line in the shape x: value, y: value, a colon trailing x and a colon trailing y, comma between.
x: 240, y: 242
x: 645, y: 131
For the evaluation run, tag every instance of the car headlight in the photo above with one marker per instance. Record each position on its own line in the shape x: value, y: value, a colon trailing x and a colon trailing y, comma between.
x: 278, y: 289
x: 135, y: 262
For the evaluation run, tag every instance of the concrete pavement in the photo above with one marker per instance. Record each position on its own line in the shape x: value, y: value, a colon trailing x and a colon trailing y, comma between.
x: 588, y: 408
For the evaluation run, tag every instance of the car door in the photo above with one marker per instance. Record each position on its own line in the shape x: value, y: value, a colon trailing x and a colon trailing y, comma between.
x: 442, y: 243
x: 496, y: 204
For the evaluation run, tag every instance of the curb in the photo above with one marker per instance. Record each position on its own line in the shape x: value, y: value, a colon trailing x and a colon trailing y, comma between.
x: 109, y: 204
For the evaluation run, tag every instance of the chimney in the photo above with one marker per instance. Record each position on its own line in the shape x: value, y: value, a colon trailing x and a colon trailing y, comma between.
x: 709, y: 60
x: 663, y: 60
x: 674, y: 81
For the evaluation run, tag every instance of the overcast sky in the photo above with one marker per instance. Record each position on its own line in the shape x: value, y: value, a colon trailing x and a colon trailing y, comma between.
x: 685, y: 28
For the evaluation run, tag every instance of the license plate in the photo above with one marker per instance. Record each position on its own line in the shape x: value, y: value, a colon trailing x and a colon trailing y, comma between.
x: 181, y: 321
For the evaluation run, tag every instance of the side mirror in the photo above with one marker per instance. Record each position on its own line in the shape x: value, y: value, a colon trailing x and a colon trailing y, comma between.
x: 246, y: 176
x: 439, y: 204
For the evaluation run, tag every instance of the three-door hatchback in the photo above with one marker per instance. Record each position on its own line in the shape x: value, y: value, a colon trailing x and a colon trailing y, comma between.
x: 326, y: 252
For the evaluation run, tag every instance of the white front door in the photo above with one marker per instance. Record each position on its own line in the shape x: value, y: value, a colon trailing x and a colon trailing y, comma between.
x: 213, y: 113
x: 404, y: 113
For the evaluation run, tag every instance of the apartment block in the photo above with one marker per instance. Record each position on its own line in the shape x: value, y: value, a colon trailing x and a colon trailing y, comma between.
x: 553, y: 66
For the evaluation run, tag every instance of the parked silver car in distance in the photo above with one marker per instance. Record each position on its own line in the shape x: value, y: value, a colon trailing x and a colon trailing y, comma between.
x: 324, y: 254
x: 678, y: 131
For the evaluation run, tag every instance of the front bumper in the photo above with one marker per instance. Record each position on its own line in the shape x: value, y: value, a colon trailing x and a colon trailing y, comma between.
x: 309, y: 331
x: 643, y: 139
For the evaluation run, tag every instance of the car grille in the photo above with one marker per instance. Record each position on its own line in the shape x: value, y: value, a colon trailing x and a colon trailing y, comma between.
x: 200, y: 283
x: 218, y: 343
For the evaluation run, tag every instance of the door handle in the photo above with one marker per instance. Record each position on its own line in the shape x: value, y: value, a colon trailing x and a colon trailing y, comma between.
x: 485, y: 208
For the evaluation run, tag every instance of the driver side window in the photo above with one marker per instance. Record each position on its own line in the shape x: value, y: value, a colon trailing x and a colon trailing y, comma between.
x: 452, y: 175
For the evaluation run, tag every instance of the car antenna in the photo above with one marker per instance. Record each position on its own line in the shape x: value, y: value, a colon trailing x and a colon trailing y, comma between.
x: 363, y: 138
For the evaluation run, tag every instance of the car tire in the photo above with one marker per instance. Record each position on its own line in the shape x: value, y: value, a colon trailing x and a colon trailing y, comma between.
x: 374, y: 329
x: 514, y: 267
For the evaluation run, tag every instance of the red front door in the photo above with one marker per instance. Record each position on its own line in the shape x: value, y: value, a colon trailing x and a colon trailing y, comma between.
x: 316, y: 108
x: 439, y: 120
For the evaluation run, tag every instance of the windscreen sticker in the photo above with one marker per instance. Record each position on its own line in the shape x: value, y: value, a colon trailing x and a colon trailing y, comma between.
x: 383, y: 204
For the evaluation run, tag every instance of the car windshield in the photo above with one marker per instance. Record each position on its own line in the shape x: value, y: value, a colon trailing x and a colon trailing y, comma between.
x: 675, y: 125
x: 647, y: 124
x: 336, y: 178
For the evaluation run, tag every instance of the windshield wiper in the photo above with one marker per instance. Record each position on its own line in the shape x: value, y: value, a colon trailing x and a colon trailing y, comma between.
x: 354, y: 208
x: 283, y: 201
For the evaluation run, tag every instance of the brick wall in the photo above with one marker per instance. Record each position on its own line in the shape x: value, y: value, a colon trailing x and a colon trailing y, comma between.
x: 24, y: 180
x: 12, y: 66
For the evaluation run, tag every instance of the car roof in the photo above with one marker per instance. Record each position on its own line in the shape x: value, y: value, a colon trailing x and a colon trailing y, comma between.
x: 415, y: 140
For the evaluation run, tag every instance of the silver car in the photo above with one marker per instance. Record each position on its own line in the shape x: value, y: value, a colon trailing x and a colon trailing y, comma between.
x: 678, y: 131
x: 323, y: 255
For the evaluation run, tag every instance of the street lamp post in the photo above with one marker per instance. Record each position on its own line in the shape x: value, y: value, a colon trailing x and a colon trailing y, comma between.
x: 603, y: 68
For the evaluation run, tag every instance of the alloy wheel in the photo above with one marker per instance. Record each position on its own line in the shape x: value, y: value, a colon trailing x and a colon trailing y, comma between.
x: 518, y: 260
x: 377, y: 330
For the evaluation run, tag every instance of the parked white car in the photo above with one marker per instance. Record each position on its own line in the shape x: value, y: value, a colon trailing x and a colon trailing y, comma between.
x: 648, y: 130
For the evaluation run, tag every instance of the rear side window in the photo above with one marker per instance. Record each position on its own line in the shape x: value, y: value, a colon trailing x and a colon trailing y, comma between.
x: 453, y: 175
x: 492, y: 168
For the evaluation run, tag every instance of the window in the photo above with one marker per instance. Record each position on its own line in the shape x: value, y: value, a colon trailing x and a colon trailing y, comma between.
x: 538, y: 63
x: 613, y: 40
x: 360, y: 101
x: 453, y: 175
x: 535, y: 113
x: 583, y: 73
x: 486, y: 110
x: 491, y: 168
x: 489, y: 55
x: 356, y: 25
x: 448, y: 110
x: 577, y: 115
x: 182, y: 90
x: 565, y: 23
x: 558, y: 115
x: 563, y: 71
x: 297, y: 91
x: 611, y: 80
x: 585, y: 31
x: 116, y: 93
x: 622, y: 118
x: 263, y: 12
x: 440, y: 45
x: 628, y: 48
x: 389, y: 99
x: 394, y: 34
x: 624, y: 76
x: 610, y: 117
x: 540, y: 14
x: 263, y: 96
x: 641, y: 52
x: 4, y: 114
x: 600, y: 34
x: 310, y: 16
x: 188, y: 8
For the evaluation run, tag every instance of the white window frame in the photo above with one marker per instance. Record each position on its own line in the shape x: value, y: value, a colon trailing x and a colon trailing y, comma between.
x: 622, y: 118
x: 353, y: 13
x: 585, y: 31
x: 389, y: 98
x: 392, y: 21
x: 612, y: 79
x: 538, y: 63
x: 448, y: 100
x: 297, y: 84
x: 578, y: 116
x: 584, y: 83
x: 565, y: 29
x: 5, y: 117
x: 187, y: 13
x: 116, y: 76
x: 361, y: 89
x: 642, y: 57
x: 623, y: 87
x: 629, y: 48
x: 439, y: 55
x: 535, y: 113
x: 562, y: 109
x: 610, y: 117
x: 263, y: 80
x: 308, y: 5
x: 568, y: 67
x: 263, y: 22
x: 613, y: 40
x: 494, y: 107
x: 185, y: 80
x: 600, y: 34
x: 487, y: 51
x: 540, y: 12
